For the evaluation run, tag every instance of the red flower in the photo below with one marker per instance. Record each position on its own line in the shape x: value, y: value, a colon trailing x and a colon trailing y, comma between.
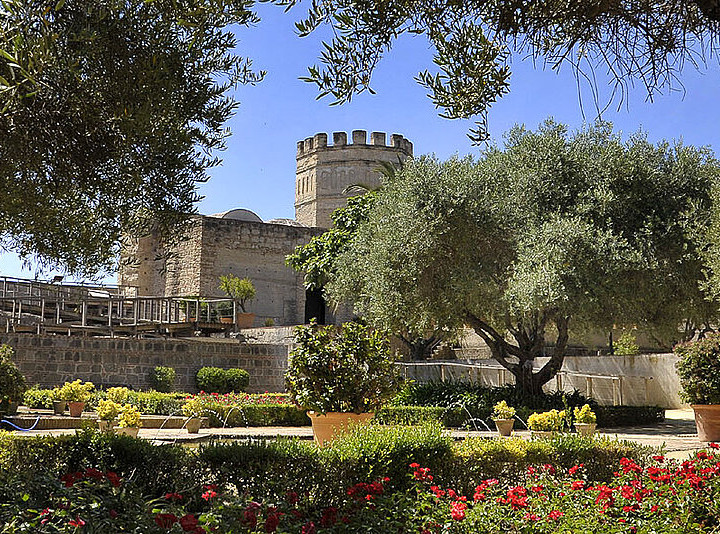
x: 94, y: 473
x: 188, y: 522
x: 531, y: 517
x: 457, y: 512
x: 77, y: 522
x: 113, y: 513
x: 309, y: 528
x: 329, y: 517
x: 578, y: 485
x: 173, y: 497
x: 165, y: 520
x: 273, y: 519
x: 713, y: 445
x: 209, y: 494
x: 574, y: 469
x: 113, y: 478
x: 292, y: 498
x: 555, y: 515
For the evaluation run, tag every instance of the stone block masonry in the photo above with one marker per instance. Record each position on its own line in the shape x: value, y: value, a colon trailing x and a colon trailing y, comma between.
x: 49, y: 360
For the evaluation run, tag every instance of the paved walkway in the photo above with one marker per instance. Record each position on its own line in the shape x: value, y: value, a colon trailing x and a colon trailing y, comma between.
x: 677, y: 434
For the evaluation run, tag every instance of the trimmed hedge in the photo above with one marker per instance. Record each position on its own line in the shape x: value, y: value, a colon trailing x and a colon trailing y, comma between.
x: 162, y: 379
x: 217, y: 380
x: 261, y: 468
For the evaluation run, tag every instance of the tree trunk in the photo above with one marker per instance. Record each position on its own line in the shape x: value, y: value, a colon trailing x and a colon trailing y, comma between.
x: 530, y: 345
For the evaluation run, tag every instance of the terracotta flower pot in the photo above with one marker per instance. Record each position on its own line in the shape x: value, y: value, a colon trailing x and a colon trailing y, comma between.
x: 131, y: 431
x: 585, y: 429
x: 327, y: 427
x: 707, y: 420
x: 59, y: 407
x: 504, y: 426
x: 193, y: 425
x: 76, y: 408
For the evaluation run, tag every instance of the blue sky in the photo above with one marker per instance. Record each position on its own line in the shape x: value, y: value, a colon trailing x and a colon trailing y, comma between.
x: 258, y: 170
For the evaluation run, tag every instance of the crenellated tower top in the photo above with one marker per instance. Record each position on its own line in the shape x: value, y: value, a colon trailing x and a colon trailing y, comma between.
x: 325, y: 171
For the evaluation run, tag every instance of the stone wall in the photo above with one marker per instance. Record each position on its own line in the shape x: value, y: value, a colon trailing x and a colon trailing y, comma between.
x: 51, y: 360
x: 647, y: 378
x: 323, y: 172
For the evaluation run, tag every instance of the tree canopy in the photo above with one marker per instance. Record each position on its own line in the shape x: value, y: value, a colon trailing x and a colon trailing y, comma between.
x: 553, y: 230
x: 110, y: 114
x: 646, y: 43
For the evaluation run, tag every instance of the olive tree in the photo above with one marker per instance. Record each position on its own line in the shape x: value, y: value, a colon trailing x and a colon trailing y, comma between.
x: 552, y: 230
x: 111, y: 112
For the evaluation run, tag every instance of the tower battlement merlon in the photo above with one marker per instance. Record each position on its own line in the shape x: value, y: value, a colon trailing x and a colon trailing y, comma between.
x: 359, y: 139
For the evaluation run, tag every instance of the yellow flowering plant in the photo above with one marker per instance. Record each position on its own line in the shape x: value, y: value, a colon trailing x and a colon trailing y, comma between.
x: 552, y: 421
x: 130, y: 417
x: 108, y: 410
x: 584, y: 415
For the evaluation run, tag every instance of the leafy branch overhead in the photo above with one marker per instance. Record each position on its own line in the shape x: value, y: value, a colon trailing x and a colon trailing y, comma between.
x: 111, y: 112
x: 646, y: 43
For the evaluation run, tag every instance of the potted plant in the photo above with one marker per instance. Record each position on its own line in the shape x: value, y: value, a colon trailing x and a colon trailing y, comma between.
x: 546, y: 424
x: 504, y: 418
x: 699, y: 371
x: 12, y: 382
x: 59, y: 404
x: 107, y: 411
x: 76, y: 394
x: 242, y: 291
x: 193, y: 409
x: 340, y: 374
x: 130, y: 421
x: 585, y: 420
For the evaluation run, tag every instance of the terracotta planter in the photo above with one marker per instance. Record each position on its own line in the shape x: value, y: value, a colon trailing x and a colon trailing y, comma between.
x: 707, y: 420
x: 193, y: 425
x: 245, y: 320
x: 104, y: 425
x: 76, y: 408
x: 504, y: 426
x: 226, y: 320
x: 131, y: 431
x: 327, y: 427
x: 59, y: 407
x: 585, y: 429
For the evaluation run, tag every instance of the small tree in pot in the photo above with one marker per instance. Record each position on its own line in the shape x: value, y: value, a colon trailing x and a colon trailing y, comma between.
x: 344, y: 370
x: 699, y: 371
x: 242, y: 291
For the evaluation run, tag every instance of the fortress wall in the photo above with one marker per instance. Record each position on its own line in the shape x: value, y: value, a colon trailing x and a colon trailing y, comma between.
x: 51, y: 360
x: 255, y: 250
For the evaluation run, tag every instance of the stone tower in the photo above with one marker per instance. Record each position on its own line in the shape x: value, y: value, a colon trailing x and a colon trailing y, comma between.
x: 324, y: 172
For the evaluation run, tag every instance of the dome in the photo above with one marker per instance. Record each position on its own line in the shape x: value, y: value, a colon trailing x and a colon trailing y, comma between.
x: 239, y: 214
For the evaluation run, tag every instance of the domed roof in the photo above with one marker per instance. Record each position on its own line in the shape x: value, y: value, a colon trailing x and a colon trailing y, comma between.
x: 239, y: 214
x: 286, y: 222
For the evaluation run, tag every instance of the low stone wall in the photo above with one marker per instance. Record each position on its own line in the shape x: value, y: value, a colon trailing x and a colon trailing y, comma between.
x: 51, y: 360
x: 646, y: 378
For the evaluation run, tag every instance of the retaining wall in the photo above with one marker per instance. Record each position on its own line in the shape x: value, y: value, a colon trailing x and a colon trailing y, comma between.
x: 51, y: 360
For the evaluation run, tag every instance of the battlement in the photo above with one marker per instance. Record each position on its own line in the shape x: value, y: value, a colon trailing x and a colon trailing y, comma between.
x: 359, y: 139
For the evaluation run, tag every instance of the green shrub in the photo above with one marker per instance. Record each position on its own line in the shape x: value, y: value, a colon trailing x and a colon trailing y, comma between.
x: 211, y: 380
x: 510, y: 458
x: 39, y: 398
x: 12, y: 382
x: 699, y: 370
x: 217, y: 380
x: 147, y: 402
x: 626, y: 345
x: 237, y: 380
x: 223, y: 415
x: 341, y: 369
x: 162, y: 379
x: 612, y: 416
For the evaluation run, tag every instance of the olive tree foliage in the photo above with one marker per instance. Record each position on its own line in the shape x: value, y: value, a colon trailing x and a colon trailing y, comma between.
x: 111, y: 112
x: 646, y: 43
x: 554, y: 230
